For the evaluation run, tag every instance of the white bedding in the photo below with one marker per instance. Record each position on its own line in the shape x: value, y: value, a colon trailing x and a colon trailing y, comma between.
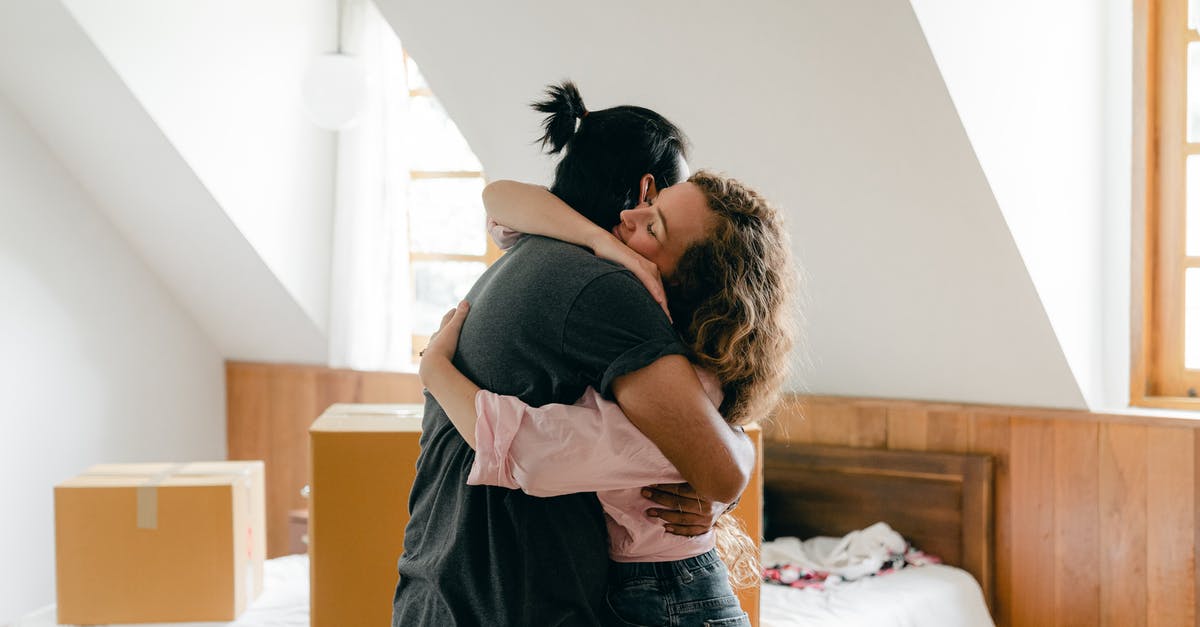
x: 925, y: 596
x: 922, y: 596
x: 283, y: 602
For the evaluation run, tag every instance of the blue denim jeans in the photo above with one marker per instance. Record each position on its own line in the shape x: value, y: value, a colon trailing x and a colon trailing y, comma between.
x: 694, y: 591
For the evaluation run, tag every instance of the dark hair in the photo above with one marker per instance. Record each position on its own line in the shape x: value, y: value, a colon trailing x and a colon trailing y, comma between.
x: 607, y: 152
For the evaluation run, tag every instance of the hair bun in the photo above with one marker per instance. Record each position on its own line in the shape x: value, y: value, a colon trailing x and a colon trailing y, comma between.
x: 564, y: 106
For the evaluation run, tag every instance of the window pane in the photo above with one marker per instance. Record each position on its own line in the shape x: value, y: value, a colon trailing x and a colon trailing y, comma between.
x: 447, y: 216
x: 1193, y: 97
x: 433, y: 140
x: 1192, y: 185
x: 439, y: 285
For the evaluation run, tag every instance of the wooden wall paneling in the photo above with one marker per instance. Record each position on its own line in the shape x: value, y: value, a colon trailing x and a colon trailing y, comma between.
x: 947, y: 430
x: 906, y: 428
x: 1076, y: 523
x: 791, y: 422
x: 833, y: 422
x: 1170, y: 510
x: 1122, y: 575
x: 246, y: 394
x: 388, y: 387
x: 991, y: 434
x: 1032, y: 541
x: 292, y: 403
x: 870, y: 427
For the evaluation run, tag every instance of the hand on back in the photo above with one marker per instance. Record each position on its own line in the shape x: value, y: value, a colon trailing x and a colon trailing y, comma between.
x: 444, y: 342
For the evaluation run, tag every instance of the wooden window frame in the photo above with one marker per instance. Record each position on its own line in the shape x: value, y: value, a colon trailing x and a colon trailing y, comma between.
x: 1158, y: 375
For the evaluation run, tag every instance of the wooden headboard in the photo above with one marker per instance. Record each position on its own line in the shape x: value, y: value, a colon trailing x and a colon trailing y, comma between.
x: 941, y: 502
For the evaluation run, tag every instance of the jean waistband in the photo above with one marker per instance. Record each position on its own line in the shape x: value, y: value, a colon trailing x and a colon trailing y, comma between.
x: 663, y: 570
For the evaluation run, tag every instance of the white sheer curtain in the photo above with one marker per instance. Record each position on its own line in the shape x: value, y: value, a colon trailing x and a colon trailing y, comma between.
x: 371, y: 313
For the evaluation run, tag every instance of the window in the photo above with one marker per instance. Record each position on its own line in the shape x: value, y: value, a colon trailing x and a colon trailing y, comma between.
x: 1167, y: 195
x: 448, y: 246
x: 410, y: 233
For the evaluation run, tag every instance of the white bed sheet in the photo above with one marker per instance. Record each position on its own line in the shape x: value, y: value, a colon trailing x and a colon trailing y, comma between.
x: 925, y: 596
x: 283, y: 602
x: 922, y: 596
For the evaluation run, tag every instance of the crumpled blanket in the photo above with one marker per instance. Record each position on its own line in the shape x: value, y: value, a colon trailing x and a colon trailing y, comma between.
x: 818, y: 561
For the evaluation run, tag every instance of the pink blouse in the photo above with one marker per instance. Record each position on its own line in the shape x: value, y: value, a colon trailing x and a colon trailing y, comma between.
x: 585, y: 447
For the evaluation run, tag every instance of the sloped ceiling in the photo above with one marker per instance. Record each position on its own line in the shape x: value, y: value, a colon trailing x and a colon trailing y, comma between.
x: 64, y: 87
x: 915, y: 287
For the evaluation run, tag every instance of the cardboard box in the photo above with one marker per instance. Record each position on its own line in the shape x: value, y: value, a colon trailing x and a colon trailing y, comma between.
x: 139, y: 543
x: 364, y: 461
x: 749, y: 512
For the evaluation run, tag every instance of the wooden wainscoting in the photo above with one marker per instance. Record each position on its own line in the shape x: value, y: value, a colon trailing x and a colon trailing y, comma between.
x: 1095, y: 514
x: 269, y: 409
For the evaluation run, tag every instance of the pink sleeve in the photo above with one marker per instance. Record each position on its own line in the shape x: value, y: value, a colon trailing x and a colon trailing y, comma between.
x: 502, y: 235
x: 562, y: 449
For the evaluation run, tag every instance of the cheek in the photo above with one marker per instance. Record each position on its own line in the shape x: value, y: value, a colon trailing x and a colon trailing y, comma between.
x: 644, y: 245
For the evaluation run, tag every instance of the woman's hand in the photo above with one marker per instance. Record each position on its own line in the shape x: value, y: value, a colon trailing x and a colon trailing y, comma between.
x: 453, y: 391
x: 444, y: 342
x: 614, y: 250
x: 684, y: 512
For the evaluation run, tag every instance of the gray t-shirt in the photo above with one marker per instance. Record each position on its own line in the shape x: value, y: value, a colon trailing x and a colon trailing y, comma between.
x: 547, y: 320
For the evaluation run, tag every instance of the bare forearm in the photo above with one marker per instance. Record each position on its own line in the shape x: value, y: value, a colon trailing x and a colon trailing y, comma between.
x: 666, y: 402
x: 454, y: 392
x: 533, y: 209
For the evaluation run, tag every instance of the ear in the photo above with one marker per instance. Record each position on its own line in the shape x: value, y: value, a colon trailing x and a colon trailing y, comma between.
x: 649, y: 191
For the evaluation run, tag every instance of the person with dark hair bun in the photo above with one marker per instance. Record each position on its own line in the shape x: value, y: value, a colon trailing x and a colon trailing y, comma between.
x: 608, y: 153
x: 548, y: 321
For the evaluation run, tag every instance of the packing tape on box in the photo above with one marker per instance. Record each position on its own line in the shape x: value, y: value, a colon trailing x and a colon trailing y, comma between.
x: 147, y: 492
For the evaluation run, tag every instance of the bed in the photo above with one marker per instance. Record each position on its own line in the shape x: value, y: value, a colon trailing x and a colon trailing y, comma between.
x: 940, y: 502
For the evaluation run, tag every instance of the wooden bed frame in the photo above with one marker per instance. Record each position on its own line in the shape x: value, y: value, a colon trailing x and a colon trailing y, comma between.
x: 941, y: 502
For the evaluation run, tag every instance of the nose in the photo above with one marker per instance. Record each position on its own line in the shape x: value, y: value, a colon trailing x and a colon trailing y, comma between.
x: 627, y: 217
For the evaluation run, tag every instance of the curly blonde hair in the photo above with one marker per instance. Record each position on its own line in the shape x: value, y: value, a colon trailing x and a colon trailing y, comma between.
x: 732, y: 298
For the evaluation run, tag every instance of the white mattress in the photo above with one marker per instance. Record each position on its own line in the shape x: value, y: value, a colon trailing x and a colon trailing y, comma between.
x: 283, y: 602
x: 922, y: 596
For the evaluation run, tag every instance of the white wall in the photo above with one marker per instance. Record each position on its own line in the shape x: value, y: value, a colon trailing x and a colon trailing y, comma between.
x: 837, y: 111
x: 1034, y: 85
x: 74, y: 100
x: 222, y: 79
x: 98, y: 363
